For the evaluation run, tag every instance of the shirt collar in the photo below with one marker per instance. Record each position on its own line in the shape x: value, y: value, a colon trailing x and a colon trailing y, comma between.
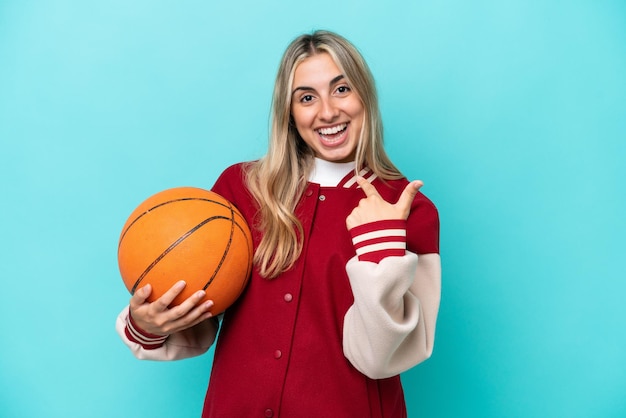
x: 330, y: 174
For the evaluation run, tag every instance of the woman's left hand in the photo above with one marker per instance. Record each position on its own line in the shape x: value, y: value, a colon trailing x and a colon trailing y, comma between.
x: 374, y: 208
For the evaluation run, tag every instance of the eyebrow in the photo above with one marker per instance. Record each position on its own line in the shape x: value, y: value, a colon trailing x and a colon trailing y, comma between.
x: 305, y: 88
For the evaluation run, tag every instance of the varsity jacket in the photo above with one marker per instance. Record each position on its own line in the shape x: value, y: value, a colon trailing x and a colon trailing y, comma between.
x: 329, y: 337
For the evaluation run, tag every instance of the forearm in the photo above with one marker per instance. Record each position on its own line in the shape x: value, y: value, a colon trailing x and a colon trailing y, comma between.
x: 391, y: 325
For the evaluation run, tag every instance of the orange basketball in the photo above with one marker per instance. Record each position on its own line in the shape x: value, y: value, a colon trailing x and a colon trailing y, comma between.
x: 188, y: 234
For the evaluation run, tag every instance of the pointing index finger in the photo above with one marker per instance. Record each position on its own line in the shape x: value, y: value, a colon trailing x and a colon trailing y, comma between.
x: 367, y: 187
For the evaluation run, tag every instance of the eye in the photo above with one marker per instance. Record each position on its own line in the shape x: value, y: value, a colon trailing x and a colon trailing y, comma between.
x: 343, y: 89
x: 306, y: 98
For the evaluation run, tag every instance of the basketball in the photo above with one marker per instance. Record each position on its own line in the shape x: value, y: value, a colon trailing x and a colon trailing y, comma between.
x: 189, y: 234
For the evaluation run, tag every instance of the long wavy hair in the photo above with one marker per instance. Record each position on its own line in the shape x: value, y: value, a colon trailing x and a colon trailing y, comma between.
x: 278, y: 179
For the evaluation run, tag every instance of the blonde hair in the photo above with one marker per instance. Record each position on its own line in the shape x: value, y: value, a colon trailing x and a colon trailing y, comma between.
x: 278, y: 179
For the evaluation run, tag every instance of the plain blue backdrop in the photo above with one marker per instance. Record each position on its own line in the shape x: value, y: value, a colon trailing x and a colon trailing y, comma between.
x: 512, y: 112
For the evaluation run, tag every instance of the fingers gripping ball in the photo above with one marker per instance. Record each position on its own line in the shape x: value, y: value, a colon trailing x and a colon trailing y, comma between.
x: 188, y: 234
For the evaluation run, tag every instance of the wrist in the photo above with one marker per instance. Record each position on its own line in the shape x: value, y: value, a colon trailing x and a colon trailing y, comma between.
x: 138, y: 335
x: 376, y: 240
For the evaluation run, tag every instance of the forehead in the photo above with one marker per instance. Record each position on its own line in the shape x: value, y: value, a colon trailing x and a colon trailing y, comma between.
x: 319, y: 69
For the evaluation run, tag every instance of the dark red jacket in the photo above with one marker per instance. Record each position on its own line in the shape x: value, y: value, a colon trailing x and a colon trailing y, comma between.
x: 279, y: 352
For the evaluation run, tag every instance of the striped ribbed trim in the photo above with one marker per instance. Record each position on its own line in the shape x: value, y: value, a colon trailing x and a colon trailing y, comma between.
x: 376, y: 240
x: 137, y: 335
x: 349, y: 181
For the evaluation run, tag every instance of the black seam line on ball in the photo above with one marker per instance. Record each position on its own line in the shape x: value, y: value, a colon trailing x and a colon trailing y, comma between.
x: 171, y: 247
x: 167, y: 203
x: 225, y: 252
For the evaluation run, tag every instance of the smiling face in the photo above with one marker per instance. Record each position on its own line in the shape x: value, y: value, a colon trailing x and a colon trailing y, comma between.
x: 327, y: 113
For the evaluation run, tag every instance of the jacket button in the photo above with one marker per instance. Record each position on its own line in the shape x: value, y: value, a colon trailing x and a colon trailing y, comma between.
x: 309, y: 193
x: 278, y: 354
x: 322, y: 197
x: 269, y: 413
x: 288, y: 297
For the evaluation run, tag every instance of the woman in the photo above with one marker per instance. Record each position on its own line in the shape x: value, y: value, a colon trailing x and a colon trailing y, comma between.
x: 345, y: 291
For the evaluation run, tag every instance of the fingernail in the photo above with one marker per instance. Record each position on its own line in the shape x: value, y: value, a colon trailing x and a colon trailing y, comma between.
x: 180, y: 284
x: 200, y: 294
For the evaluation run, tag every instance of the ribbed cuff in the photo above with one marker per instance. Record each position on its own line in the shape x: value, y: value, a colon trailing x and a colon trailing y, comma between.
x: 376, y: 240
x: 145, y: 339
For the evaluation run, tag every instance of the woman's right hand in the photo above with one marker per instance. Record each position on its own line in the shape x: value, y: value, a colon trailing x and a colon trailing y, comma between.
x: 156, y: 318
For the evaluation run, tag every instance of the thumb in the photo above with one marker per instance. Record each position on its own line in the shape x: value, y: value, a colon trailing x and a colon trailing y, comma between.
x: 407, y: 196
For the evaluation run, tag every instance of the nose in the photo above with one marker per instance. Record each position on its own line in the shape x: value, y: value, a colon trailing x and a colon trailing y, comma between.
x: 329, y: 111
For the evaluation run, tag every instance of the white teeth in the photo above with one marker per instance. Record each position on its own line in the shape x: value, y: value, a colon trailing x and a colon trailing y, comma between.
x: 333, y: 130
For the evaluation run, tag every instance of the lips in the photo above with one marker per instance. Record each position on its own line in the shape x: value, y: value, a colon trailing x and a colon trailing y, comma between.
x: 333, y: 135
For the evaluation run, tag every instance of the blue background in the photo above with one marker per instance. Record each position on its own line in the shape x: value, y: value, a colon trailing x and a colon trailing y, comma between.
x: 512, y: 112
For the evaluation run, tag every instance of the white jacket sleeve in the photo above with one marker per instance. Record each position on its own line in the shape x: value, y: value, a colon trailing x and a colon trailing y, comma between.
x: 391, y: 325
x: 184, y: 344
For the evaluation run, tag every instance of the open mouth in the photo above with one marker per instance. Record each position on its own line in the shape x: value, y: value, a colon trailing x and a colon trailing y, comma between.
x: 333, y: 134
